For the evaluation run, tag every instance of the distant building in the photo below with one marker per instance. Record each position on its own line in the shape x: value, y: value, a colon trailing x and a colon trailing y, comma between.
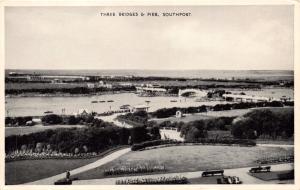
x: 56, y: 81
x: 126, y: 84
x: 91, y: 85
x: 83, y: 112
x: 179, y: 114
x: 14, y: 76
x: 138, y: 108
x: 150, y: 90
x: 245, y: 98
x: 192, y: 92
x: 103, y: 84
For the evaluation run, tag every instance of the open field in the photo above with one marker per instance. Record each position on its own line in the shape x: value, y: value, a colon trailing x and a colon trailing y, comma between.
x: 18, y: 172
x: 226, y: 113
x: 191, y: 158
x: 185, y: 119
x: 33, y: 129
x: 240, y: 112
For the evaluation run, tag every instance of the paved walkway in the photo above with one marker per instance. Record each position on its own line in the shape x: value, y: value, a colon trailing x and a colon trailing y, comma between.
x: 100, y: 162
x: 170, y: 134
x: 240, y: 172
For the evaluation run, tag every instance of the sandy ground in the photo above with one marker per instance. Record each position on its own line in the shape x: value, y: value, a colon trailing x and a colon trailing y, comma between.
x: 113, y: 119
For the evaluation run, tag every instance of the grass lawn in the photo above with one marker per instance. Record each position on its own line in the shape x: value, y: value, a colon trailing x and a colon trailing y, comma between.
x: 268, y: 141
x: 33, y: 129
x: 191, y: 158
x: 18, y: 172
x: 226, y: 113
x: 185, y: 119
x: 276, y: 175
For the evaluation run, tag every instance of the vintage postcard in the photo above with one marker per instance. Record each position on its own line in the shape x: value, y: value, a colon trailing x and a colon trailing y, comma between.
x: 184, y: 95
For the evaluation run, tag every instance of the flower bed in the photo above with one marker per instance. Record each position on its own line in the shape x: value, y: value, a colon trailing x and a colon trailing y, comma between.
x: 19, y: 155
x: 239, y: 142
x: 134, y: 169
x: 281, y: 159
x: 160, y: 180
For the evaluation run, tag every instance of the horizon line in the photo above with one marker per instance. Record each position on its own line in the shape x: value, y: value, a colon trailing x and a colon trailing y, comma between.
x: 164, y: 69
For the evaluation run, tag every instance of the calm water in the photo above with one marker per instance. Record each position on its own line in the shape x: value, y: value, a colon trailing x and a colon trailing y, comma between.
x: 228, y: 74
x: 22, y: 106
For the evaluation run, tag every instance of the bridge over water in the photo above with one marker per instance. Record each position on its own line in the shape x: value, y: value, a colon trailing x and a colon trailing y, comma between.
x: 192, y: 92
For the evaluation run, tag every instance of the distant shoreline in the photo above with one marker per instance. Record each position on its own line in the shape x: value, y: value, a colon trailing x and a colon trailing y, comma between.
x: 188, y: 74
x: 64, y: 94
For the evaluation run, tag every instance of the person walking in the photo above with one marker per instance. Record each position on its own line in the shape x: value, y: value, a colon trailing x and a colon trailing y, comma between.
x: 68, y: 175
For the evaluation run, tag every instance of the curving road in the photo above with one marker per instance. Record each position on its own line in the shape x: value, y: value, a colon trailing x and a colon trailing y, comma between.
x: 100, y: 162
x: 240, y: 172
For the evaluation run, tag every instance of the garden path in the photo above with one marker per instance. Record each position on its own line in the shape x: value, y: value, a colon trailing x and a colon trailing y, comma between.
x: 240, y: 172
x: 100, y: 162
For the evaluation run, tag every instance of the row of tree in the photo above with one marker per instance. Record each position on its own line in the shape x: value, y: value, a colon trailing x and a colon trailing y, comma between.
x: 97, y: 137
x: 139, y: 118
x: 194, y: 130
x: 75, y: 90
x: 169, y: 112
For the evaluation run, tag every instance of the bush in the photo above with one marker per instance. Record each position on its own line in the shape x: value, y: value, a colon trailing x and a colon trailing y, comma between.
x: 143, y: 145
x: 52, y: 119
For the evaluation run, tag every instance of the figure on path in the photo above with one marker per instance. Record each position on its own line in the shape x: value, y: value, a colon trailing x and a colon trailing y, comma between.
x: 68, y: 175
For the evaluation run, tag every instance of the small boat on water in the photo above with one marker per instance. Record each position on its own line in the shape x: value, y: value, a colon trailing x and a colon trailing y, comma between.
x: 123, y: 107
x: 101, y: 101
x: 147, y: 101
x: 110, y: 101
x: 173, y: 100
x: 47, y: 112
x: 94, y: 101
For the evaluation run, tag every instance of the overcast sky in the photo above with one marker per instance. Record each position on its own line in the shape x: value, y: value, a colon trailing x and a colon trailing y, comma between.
x: 214, y: 37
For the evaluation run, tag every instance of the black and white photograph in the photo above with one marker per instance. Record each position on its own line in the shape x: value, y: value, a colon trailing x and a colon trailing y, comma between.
x: 149, y: 95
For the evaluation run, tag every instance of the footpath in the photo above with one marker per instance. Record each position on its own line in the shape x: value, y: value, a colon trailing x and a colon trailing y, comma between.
x: 240, y: 172
x: 100, y: 162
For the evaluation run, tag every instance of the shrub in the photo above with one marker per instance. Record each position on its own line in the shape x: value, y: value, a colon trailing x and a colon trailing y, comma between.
x: 52, y: 119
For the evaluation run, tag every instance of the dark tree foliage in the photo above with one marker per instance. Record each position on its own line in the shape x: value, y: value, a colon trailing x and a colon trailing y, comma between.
x: 17, y: 120
x: 140, y: 117
x: 52, y: 119
x: 67, y: 140
x: 198, y: 129
x: 139, y: 134
x: 264, y: 123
